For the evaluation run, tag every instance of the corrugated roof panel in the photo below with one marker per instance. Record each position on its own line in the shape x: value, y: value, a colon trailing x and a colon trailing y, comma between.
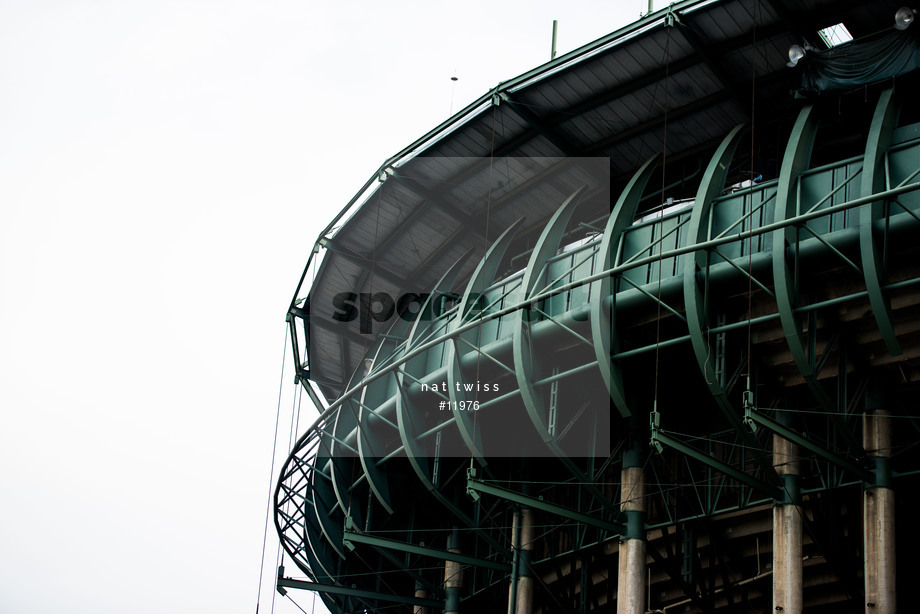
x: 546, y: 101
x: 713, y: 28
x: 769, y: 58
x: 730, y: 21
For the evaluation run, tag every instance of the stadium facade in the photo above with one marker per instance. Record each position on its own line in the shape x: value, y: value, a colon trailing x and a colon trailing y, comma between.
x: 638, y: 329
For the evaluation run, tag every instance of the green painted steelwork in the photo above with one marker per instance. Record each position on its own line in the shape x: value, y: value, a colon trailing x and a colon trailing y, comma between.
x: 525, y: 363
x: 795, y: 162
x: 659, y: 438
x: 474, y: 486
x: 603, y: 328
x: 753, y: 417
x: 694, y: 288
x: 572, y: 295
x: 874, y: 180
x: 474, y: 296
x: 426, y: 345
x: 353, y: 537
x: 726, y: 239
x: 405, y: 412
x: 346, y: 591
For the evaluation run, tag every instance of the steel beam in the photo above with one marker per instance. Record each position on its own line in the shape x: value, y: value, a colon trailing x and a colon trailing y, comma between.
x: 660, y: 439
x: 728, y: 81
x: 337, y: 328
x: 358, y: 593
x: 353, y: 537
x: 474, y: 486
x: 451, y: 210
x: 534, y: 122
x: 752, y: 416
x: 365, y: 262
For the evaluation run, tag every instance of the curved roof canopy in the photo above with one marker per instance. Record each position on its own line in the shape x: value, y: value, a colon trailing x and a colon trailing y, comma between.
x: 676, y: 81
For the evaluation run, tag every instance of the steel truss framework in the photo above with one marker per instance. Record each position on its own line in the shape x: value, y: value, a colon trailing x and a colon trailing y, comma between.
x: 782, y: 308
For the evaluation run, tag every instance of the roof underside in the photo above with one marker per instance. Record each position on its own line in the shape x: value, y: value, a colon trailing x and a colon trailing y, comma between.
x: 649, y: 88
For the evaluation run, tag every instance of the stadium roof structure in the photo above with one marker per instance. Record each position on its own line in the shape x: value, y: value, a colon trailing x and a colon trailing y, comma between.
x: 681, y: 263
x: 698, y: 68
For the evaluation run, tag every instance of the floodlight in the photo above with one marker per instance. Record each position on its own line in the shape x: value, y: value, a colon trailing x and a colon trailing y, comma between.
x: 903, y: 18
x: 796, y: 53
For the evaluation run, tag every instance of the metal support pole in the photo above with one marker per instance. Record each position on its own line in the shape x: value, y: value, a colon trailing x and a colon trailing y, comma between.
x: 787, y: 531
x: 631, y: 580
x: 878, y: 517
x: 453, y: 576
x: 552, y: 53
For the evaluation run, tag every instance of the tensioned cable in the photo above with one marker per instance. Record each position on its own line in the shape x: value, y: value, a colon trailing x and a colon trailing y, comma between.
x: 292, y: 435
x: 482, y: 288
x: 664, y: 160
x: 750, y: 275
x: 504, y: 536
x: 288, y: 595
x: 507, y: 167
x: 373, y: 259
x: 271, y: 472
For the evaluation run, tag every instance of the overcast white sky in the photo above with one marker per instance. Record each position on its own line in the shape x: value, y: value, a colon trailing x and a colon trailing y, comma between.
x: 165, y: 167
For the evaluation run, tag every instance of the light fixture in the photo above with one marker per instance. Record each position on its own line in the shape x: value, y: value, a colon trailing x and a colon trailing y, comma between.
x: 796, y: 53
x: 903, y: 18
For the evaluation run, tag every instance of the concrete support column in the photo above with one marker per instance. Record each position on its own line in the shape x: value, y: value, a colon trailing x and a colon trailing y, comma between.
x: 453, y: 577
x: 420, y: 593
x: 878, y: 517
x: 515, y: 550
x: 787, y: 531
x: 631, y: 576
x: 524, y: 596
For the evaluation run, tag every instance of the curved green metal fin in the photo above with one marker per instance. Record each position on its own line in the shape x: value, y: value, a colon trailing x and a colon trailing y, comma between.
x: 884, y: 122
x: 481, y: 279
x: 711, y: 186
x: 603, y: 329
x: 485, y: 271
x: 331, y: 530
x: 549, y: 241
x: 443, y: 285
x: 405, y: 410
x: 368, y: 452
x: 408, y: 433
x: 342, y: 462
x: 524, y: 366
x: 795, y: 161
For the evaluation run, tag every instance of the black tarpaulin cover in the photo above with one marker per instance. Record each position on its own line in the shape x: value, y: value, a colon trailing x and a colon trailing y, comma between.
x: 874, y: 58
